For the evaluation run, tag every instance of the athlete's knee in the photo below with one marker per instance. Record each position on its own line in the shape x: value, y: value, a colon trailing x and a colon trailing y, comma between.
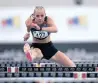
x: 37, y: 52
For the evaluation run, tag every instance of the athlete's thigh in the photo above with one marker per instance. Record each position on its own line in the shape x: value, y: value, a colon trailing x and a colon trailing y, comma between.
x: 61, y: 58
x: 36, y: 52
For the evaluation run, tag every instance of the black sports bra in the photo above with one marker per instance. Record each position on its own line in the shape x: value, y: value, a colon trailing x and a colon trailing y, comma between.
x: 39, y: 34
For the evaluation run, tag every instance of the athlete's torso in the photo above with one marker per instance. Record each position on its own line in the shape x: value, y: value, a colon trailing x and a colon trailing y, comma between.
x: 41, y: 36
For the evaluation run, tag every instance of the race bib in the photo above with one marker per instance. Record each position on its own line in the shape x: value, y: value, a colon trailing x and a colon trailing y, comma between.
x: 40, y: 34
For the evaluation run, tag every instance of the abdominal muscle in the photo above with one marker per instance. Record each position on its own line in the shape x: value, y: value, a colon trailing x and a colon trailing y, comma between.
x: 46, y: 40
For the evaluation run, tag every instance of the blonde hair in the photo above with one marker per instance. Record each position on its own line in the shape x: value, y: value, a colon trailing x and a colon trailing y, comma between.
x: 36, y: 8
x: 39, y: 8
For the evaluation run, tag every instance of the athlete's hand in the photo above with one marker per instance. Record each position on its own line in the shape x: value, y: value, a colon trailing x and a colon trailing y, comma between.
x: 36, y: 26
x: 30, y: 25
x: 26, y: 37
x: 28, y: 22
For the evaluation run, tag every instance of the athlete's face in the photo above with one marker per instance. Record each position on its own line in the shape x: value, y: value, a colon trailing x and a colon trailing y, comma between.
x: 39, y: 16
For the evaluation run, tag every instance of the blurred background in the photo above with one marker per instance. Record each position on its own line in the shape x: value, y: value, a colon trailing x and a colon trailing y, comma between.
x: 77, y: 35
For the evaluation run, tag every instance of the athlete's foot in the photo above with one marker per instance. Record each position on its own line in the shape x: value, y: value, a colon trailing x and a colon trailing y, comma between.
x: 27, y: 52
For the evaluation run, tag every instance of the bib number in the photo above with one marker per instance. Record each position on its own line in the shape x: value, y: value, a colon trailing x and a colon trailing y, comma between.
x: 40, y: 34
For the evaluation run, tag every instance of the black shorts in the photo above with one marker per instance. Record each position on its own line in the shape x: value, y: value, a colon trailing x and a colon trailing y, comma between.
x: 48, y: 50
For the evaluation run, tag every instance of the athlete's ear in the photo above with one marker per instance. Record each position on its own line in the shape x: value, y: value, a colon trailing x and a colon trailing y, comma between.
x: 31, y: 16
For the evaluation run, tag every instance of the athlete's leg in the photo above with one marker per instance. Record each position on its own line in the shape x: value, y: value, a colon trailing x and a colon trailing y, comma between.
x: 32, y: 53
x: 36, y: 52
x: 62, y: 59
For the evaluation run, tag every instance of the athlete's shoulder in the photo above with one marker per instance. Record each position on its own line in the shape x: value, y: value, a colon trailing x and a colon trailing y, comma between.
x: 51, y: 22
x: 49, y: 19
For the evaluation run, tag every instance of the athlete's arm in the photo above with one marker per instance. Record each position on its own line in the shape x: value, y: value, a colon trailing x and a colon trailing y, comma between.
x: 52, y: 27
x: 28, y: 23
